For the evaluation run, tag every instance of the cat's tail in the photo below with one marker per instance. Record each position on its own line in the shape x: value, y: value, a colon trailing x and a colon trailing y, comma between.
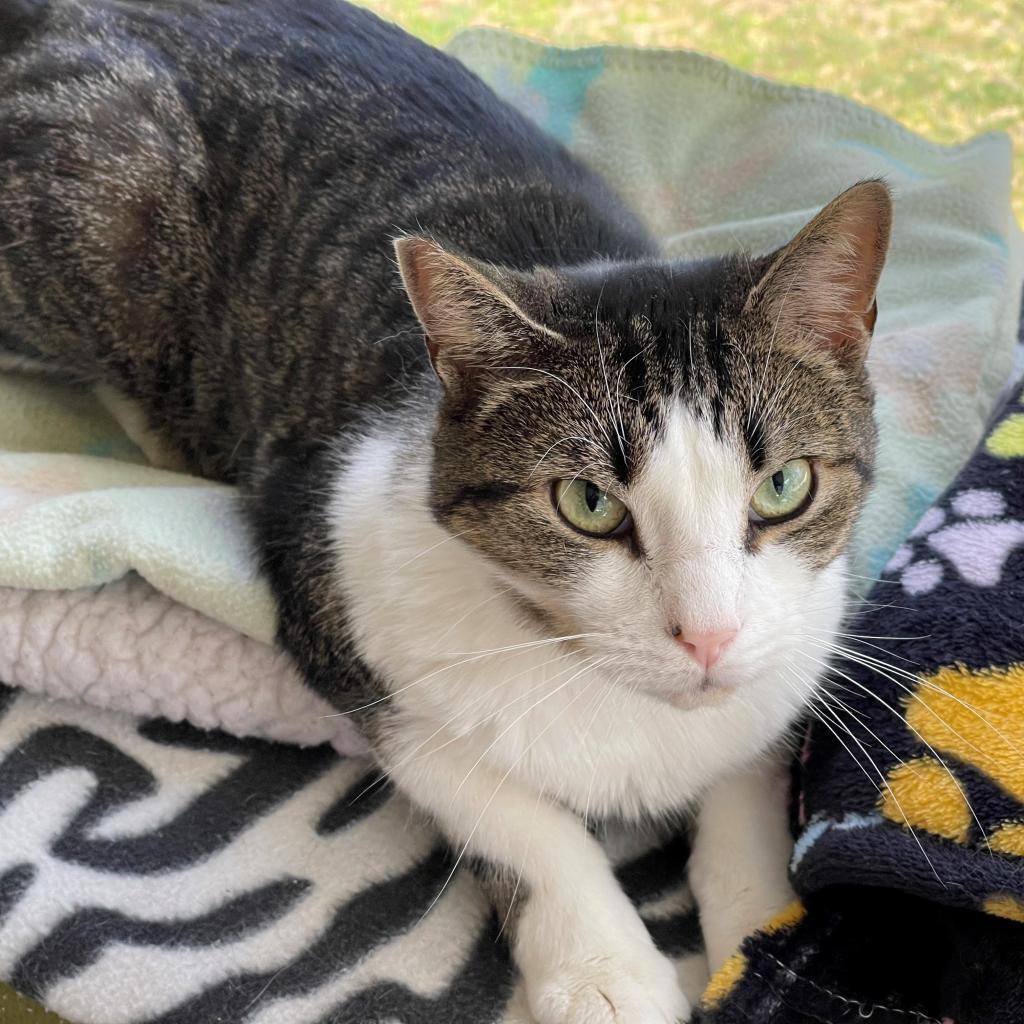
x: 18, y: 20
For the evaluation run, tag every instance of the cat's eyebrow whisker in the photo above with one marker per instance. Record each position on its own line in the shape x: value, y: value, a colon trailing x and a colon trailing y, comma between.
x: 772, y: 404
x: 574, y: 391
x: 771, y: 346
x: 578, y: 474
x: 490, y: 800
x: 551, y: 448
x: 738, y: 349
x: 622, y: 369
x: 613, y: 407
x: 885, y: 782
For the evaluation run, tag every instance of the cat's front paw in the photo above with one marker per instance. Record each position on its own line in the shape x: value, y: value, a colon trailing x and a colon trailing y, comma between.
x: 609, y: 990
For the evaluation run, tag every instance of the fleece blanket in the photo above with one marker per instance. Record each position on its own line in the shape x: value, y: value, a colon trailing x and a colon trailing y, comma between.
x: 150, y: 871
x: 911, y: 856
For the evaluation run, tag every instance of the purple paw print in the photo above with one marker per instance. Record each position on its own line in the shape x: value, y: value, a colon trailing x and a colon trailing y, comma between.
x: 975, y: 540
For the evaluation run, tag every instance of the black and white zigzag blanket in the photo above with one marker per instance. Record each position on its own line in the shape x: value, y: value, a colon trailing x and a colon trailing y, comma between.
x: 153, y: 872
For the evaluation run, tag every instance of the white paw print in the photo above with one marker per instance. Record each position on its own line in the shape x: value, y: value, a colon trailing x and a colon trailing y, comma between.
x: 976, y: 543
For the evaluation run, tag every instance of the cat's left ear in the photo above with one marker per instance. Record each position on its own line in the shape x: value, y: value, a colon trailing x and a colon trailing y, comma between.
x: 820, y: 288
x: 473, y: 324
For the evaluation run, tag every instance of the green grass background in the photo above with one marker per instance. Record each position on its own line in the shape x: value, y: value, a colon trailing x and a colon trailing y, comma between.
x: 947, y: 69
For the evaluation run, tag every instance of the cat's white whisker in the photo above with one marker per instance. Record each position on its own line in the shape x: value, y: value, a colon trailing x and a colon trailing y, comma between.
x: 587, y: 665
x: 464, y: 712
x: 527, y: 644
x: 888, y: 788
x: 561, y: 380
x: 613, y: 407
x: 609, y: 689
x: 771, y: 347
x: 891, y: 672
x: 522, y: 867
x: 496, y: 596
x: 877, y: 670
x: 477, y: 656
x: 426, y: 551
x: 830, y: 668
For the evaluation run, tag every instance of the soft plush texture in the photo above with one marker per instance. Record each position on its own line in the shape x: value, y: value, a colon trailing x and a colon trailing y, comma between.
x: 153, y: 872
x: 128, y: 647
x: 911, y: 855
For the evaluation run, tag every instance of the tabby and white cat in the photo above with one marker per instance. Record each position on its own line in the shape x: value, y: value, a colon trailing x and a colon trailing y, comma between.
x: 573, y: 557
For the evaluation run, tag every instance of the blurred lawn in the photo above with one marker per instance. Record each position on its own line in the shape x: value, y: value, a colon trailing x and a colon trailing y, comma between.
x: 948, y: 69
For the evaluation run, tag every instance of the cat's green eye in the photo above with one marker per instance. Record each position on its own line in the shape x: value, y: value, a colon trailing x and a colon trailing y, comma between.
x: 785, y: 492
x: 587, y: 508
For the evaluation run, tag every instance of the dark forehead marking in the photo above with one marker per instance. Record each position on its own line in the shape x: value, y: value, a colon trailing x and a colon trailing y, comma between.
x: 669, y: 295
x: 684, y: 308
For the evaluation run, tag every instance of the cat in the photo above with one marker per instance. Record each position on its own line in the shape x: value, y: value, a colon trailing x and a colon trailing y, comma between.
x: 559, y: 521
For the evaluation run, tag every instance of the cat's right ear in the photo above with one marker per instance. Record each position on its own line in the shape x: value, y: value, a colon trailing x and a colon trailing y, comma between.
x: 472, y: 325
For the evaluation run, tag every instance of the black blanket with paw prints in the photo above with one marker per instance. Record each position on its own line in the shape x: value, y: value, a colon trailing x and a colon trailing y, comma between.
x: 910, y: 855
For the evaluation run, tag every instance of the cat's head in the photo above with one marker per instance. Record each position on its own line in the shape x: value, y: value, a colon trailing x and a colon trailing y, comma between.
x: 663, y: 459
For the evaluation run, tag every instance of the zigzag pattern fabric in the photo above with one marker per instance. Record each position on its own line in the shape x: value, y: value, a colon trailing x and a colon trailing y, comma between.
x: 156, y: 873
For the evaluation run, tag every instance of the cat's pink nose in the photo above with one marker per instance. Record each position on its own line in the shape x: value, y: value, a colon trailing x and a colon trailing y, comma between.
x: 705, y: 648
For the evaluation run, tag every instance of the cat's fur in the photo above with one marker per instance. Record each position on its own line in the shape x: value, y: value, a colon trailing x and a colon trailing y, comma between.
x: 199, y: 207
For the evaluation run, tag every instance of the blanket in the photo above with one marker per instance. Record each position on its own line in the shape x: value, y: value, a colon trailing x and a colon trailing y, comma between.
x: 911, y: 856
x: 152, y: 871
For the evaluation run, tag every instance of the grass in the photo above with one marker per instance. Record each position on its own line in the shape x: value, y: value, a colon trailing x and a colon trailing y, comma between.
x: 947, y: 69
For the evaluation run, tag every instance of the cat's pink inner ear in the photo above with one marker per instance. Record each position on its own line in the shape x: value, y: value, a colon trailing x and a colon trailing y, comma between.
x: 435, y: 282
x: 462, y: 311
x: 820, y: 289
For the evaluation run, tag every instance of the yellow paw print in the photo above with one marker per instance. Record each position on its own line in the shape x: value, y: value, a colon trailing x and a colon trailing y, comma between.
x: 1007, y: 440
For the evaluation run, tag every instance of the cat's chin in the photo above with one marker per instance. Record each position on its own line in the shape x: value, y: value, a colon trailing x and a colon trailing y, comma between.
x: 707, y: 694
